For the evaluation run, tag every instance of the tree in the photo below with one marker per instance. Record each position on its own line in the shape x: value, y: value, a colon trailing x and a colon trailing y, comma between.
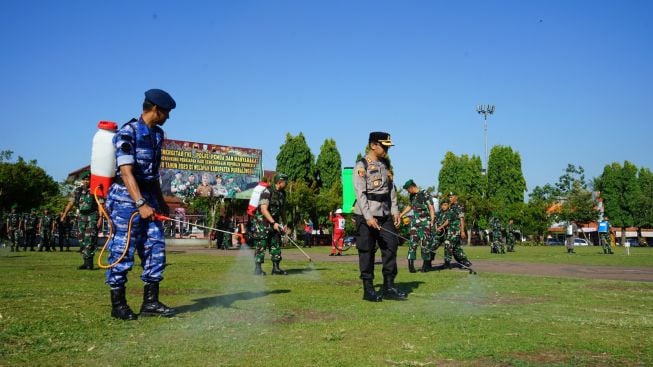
x: 621, y: 194
x: 328, y: 164
x: 300, y: 202
x: 463, y: 176
x: 24, y: 183
x: 644, y: 212
x: 505, y: 181
x: 295, y: 159
x: 573, y: 177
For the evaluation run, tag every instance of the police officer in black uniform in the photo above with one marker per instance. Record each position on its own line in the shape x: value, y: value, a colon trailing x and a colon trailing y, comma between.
x: 376, y: 215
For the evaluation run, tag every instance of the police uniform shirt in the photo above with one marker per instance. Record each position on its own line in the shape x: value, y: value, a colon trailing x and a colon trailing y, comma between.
x: 140, y: 146
x: 372, y: 184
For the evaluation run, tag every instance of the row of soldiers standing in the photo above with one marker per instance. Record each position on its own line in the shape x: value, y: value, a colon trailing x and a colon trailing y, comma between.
x: 37, y: 231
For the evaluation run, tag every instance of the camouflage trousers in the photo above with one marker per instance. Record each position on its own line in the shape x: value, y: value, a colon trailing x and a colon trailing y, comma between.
x: 12, y: 233
x: 46, y: 240
x: 510, y: 243
x: 498, y: 248
x: 265, y: 239
x: 420, y: 236
x: 30, y: 239
x: 453, y: 249
x: 146, y: 239
x: 605, y: 243
x: 87, y: 235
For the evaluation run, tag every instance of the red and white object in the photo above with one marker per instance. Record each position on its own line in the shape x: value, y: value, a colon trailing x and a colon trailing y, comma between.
x: 256, y: 197
x: 103, y: 158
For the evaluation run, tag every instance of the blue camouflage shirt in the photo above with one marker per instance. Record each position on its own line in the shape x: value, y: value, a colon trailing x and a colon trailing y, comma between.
x: 139, y: 145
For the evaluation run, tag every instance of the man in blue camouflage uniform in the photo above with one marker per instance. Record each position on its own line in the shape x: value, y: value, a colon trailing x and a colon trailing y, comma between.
x: 13, y: 223
x: 46, y: 227
x: 421, y: 203
x: 455, y: 232
x: 266, y: 226
x: 135, y: 197
x: 376, y: 217
x: 88, y: 222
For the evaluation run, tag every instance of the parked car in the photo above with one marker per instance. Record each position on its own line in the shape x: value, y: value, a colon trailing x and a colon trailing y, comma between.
x: 580, y: 242
x: 554, y: 242
x: 633, y: 242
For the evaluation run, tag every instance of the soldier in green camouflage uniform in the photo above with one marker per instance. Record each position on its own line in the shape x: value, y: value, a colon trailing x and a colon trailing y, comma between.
x: 604, y: 235
x: 13, y: 224
x: 455, y: 231
x: 267, y: 229
x: 46, y: 227
x: 497, y: 240
x: 420, y: 225
x: 441, y: 223
x: 30, y: 222
x: 510, y: 236
x: 88, y: 222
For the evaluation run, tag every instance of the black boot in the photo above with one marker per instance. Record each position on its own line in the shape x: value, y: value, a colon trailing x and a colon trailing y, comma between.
x: 369, y: 294
x: 119, y: 308
x: 258, y: 270
x: 151, y: 305
x: 83, y: 266
x: 390, y: 291
x: 426, y: 266
x: 411, y: 266
x: 276, y: 270
x: 89, y: 263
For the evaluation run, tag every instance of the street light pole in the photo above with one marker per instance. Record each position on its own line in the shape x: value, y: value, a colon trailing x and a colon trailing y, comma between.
x: 485, y: 110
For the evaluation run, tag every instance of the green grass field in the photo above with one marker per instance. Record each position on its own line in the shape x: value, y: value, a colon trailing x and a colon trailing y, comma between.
x: 54, y: 315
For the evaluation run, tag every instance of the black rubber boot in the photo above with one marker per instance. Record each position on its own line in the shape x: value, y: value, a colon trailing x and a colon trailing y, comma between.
x: 411, y: 266
x: 426, y: 266
x: 83, y: 266
x: 258, y: 270
x: 276, y: 270
x: 390, y: 291
x: 151, y: 305
x: 369, y: 294
x: 89, y: 263
x: 119, y: 308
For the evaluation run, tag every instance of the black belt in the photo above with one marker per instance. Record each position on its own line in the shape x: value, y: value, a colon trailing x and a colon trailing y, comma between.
x: 145, y: 185
x: 378, y: 197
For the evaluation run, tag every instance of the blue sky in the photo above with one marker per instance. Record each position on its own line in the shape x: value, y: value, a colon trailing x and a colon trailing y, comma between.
x: 572, y: 81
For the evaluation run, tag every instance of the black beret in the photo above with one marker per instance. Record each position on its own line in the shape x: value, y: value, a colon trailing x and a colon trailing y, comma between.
x: 161, y: 99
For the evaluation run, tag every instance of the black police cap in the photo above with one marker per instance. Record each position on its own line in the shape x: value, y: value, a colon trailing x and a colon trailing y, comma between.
x: 381, y: 137
x: 161, y: 99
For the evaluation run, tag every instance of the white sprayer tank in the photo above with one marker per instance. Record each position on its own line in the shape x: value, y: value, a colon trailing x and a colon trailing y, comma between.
x: 103, y: 158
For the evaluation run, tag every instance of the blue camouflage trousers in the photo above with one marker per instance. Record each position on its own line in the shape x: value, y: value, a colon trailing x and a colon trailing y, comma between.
x: 146, y: 238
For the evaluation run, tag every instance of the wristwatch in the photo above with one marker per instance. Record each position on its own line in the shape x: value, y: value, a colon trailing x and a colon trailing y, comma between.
x: 140, y: 202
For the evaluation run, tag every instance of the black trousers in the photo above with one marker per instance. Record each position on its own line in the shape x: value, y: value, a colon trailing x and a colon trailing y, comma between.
x: 369, y: 239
